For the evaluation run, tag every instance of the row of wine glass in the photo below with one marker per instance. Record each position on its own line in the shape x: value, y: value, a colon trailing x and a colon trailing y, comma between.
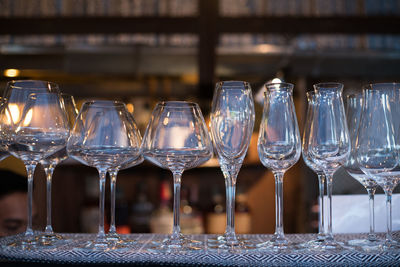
x: 39, y: 125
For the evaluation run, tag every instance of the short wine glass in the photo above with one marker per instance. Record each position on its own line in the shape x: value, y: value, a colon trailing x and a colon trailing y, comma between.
x: 232, y: 121
x: 317, y: 169
x: 279, y: 148
x: 177, y: 139
x: 329, y: 144
x: 112, y: 235
x: 378, y: 145
x: 353, y: 114
x: 49, y: 238
x: 41, y: 131
x: 103, y: 138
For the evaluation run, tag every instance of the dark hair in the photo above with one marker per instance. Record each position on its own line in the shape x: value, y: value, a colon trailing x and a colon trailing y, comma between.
x: 10, y: 182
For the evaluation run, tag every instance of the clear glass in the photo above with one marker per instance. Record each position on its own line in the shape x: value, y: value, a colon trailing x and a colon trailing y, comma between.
x: 317, y: 169
x: 103, y: 137
x: 112, y: 235
x: 279, y: 148
x: 3, y: 147
x: 232, y: 122
x: 177, y: 139
x: 38, y: 132
x: 353, y: 114
x: 329, y: 143
x: 377, y: 143
x: 49, y: 238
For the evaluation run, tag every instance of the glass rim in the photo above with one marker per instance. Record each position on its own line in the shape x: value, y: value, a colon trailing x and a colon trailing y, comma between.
x: 13, y: 84
x: 370, y: 86
x: 354, y: 95
x: 278, y: 86
x: 178, y: 104
x: 328, y: 85
x: 234, y: 82
x: 104, y: 103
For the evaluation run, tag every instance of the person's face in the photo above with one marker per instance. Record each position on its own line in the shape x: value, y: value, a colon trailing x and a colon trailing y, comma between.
x: 13, y: 213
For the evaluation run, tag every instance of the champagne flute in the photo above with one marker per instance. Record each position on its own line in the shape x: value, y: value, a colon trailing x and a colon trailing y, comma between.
x: 41, y: 131
x: 49, y: 163
x: 279, y: 148
x: 353, y: 113
x: 177, y: 139
x: 112, y: 235
x: 378, y: 146
x: 232, y: 122
x: 317, y: 169
x: 103, y: 138
x: 329, y: 143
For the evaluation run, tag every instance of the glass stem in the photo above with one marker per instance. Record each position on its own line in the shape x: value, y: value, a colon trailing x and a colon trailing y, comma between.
x: 102, y: 181
x: 321, y: 221
x: 48, y: 169
x: 30, y: 169
x: 230, y: 187
x: 176, y: 231
x: 388, y: 193
x: 279, y: 233
x: 329, y: 187
x: 371, y: 196
x: 113, y: 182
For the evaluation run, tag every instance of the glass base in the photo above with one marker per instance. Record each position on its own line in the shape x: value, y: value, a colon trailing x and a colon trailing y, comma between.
x: 118, y: 242
x: 176, y: 244
x: 100, y: 244
x: 276, y: 243
x: 50, y: 240
x: 329, y: 244
x: 390, y: 245
x: 27, y: 243
x: 365, y: 245
x: 230, y: 243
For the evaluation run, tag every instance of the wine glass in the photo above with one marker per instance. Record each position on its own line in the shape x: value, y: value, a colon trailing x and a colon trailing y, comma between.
x: 353, y: 113
x: 48, y: 238
x: 317, y: 169
x: 112, y: 235
x: 41, y: 131
x: 177, y: 139
x: 377, y: 143
x: 103, y: 137
x: 232, y: 122
x: 3, y: 146
x: 329, y: 143
x: 279, y: 148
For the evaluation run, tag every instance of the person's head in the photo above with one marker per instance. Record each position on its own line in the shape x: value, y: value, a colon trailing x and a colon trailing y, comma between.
x: 13, y: 203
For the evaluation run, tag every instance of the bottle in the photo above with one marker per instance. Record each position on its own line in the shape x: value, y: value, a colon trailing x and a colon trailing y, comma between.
x: 141, y: 211
x: 191, y: 219
x: 216, y: 217
x: 242, y: 214
x: 162, y: 219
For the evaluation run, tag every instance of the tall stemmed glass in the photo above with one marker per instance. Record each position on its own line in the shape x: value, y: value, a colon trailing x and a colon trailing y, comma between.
x: 232, y: 122
x: 49, y: 164
x: 317, y: 169
x: 112, y: 235
x: 103, y: 137
x: 279, y: 148
x: 377, y: 143
x: 353, y: 114
x: 3, y: 145
x: 41, y: 131
x: 177, y: 139
x: 329, y: 143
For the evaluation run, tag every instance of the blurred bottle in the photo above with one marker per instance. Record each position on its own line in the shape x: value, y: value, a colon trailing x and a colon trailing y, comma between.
x: 89, y: 218
x: 242, y: 214
x: 162, y: 219
x: 141, y: 211
x: 216, y: 218
x: 191, y: 217
x: 121, y: 212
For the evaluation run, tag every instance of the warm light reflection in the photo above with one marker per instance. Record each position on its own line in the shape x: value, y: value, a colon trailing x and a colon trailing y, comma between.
x: 13, y: 115
x: 130, y: 107
x: 11, y: 72
x: 276, y: 80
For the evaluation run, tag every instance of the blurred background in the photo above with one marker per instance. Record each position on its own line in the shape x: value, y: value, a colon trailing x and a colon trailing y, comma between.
x: 144, y: 51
